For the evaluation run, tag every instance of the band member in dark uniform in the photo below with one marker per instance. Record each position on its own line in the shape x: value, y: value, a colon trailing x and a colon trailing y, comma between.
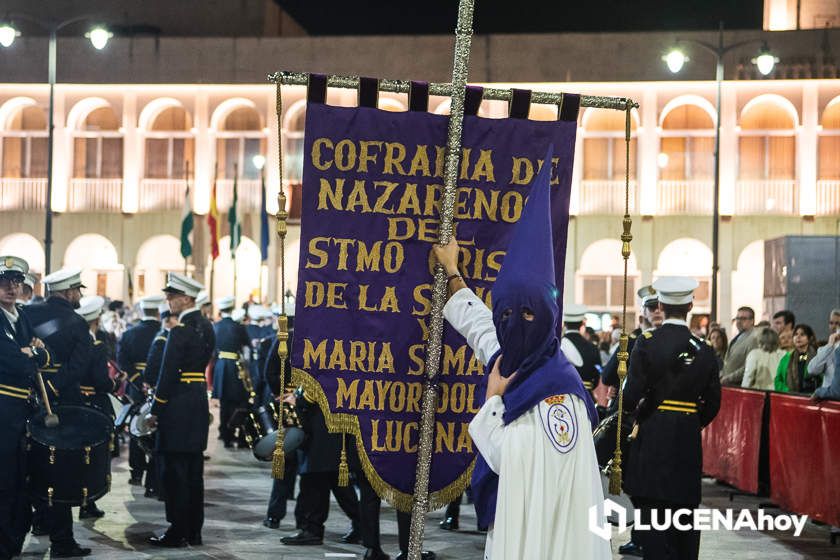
x: 21, y: 354
x: 651, y: 318
x: 231, y: 342
x: 68, y: 338
x: 95, y: 383
x: 132, y: 349
x: 589, y: 362
x: 182, y: 415
x: 674, y: 389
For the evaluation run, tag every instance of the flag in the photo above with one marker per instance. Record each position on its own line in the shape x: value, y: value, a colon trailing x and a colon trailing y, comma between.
x: 213, y: 223
x: 233, y: 220
x: 186, y: 225
x: 264, y: 233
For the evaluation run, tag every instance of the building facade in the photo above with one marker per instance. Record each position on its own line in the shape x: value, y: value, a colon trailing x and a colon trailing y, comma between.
x: 125, y: 153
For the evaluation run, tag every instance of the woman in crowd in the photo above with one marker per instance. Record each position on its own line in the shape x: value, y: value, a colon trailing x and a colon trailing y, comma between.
x: 792, y: 373
x: 719, y: 343
x: 763, y: 362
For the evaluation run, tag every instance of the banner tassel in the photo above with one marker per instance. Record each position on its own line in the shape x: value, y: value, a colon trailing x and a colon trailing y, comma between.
x: 343, y: 467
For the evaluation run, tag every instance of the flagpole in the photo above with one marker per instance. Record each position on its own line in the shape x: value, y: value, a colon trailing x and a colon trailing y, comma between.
x: 213, y: 234
x: 234, y: 225
x: 187, y: 194
x: 262, y: 209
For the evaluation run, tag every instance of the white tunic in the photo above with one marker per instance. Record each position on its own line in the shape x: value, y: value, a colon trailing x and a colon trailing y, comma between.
x: 545, y: 459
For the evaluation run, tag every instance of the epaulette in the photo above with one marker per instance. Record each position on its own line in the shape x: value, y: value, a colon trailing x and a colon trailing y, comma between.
x: 647, y: 334
x: 160, y: 338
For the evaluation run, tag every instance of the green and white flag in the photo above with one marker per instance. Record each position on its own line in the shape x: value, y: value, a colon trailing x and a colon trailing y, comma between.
x: 186, y: 225
x: 233, y: 219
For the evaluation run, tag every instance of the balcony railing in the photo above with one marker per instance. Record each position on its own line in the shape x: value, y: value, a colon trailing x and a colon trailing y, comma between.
x: 95, y: 194
x: 685, y: 197
x: 23, y: 194
x: 828, y: 197
x: 250, y: 194
x: 161, y: 194
x: 605, y: 197
x: 770, y: 196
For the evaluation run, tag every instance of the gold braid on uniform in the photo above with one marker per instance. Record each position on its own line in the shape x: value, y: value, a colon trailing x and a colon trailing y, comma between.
x: 626, y: 238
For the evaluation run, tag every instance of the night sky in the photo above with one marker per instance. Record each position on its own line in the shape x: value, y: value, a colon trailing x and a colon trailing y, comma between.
x: 382, y: 17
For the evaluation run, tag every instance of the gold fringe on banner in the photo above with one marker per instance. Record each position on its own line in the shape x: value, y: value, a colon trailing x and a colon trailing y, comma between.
x: 349, y: 424
x: 626, y: 238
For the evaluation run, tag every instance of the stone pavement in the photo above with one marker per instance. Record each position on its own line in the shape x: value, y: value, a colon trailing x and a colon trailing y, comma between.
x: 237, y: 489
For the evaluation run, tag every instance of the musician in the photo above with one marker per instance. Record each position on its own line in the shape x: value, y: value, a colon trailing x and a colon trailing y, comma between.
x: 232, y: 343
x: 202, y: 301
x: 582, y: 353
x: 95, y: 383
x: 21, y: 354
x: 674, y: 390
x: 651, y: 318
x: 71, y: 348
x: 27, y: 289
x: 150, y: 375
x: 181, y: 413
x: 132, y: 349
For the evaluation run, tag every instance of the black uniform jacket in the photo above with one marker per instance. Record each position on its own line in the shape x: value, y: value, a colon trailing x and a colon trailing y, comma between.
x: 181, y: 393
x: 666, y: 457
x: 95, y: 384
x: 132, y: 350
x: 609, y: 373
x: 231, y: 337
x: 591, y: 359
x: 67, y: 336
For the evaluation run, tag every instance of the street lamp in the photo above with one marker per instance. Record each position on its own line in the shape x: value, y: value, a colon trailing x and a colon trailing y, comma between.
x: 99, y: 37
x: 258, y: 161
x: 675, y: 60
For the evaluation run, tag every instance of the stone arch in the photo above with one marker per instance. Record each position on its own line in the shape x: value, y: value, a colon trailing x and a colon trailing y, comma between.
x: 26, y: 247
x: 157, y: 255
x: 102, y: 273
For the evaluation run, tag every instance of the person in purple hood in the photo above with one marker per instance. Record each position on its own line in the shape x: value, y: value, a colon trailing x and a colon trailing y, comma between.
x: 537, y: 474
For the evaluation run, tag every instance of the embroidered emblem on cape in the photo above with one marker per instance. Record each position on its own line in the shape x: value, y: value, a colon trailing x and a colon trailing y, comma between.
x: 559, y: 423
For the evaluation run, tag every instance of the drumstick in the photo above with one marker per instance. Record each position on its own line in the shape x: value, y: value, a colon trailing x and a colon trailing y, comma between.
x: 50, y: 420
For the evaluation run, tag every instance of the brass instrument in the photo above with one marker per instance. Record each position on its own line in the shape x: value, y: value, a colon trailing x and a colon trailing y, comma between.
x: 245, y: 378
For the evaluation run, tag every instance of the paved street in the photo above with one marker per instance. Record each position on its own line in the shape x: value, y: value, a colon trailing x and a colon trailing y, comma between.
x: 237, y: 492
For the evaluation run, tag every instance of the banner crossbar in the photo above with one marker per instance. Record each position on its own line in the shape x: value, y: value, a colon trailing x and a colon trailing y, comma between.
x: 445, y: 90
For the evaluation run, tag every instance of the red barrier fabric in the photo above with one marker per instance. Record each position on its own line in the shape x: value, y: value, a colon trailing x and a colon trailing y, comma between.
x: 805, y: 456
x: 731, y: 442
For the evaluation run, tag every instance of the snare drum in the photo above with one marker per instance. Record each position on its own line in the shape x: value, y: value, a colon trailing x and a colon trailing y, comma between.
x: 261, y: 431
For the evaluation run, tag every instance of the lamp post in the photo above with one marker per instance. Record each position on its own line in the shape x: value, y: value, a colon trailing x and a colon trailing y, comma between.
x: 258, y: 162
x: 675, y: 60
x: 99, y: 37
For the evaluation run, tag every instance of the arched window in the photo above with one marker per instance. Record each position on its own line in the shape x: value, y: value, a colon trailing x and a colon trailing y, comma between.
x: 98, y: 146
x: 240, y: 138
x: 25, y: 144
x: 688, y: 257
x: 102, y: 272
x: 686, y: 161
x: 604, y: 162
x: 828, y: 178
x: 767, y: 157
x: 600, y: 279
x: 293, y: 144
x: 170, y: 145
x: 157, y: 256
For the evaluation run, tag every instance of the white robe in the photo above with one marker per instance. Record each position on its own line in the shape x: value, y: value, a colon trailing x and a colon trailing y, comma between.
x: 545, y: 459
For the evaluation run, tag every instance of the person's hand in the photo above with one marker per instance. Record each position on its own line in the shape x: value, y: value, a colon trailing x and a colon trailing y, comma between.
x: 612, y: 392
x: 833, y: 339
x: 290, y: 398
x: 496, y: 384
x: 37, y: 343
x: 447, y: 256
x: 151, y: 421
x: 27, y: 350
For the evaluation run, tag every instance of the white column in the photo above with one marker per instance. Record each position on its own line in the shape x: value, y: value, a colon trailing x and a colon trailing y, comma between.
x: 62, y: 155
x: 273, y: 182
x: 204, y: 153
x: 577, y: 172
x: 806, y: 150
x: 648, y: 146
x: 728, y: 149
x: 132, y: 157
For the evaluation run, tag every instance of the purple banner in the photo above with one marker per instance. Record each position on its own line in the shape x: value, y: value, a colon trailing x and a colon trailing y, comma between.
x: 372, y: 184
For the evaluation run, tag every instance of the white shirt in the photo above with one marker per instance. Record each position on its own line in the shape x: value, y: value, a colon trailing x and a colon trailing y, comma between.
x: 545, y: 459
x: 12, y: 316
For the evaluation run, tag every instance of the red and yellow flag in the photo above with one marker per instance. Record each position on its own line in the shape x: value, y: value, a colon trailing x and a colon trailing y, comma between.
x: 213, y: 223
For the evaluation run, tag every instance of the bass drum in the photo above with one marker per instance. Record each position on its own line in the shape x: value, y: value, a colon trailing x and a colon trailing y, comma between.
x: 70, y: 463
x: 605, y: 434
